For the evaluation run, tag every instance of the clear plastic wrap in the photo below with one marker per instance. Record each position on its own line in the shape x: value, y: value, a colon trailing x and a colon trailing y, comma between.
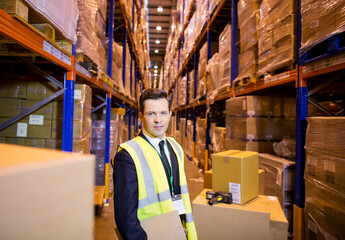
x: 217, y: 136
x: 189, y: 143
x: 213, y: 73
x: 225, y: 55
x: 247, y: 63
x: 279, y: 174
x: 249, y: 33
x: 182, y: 128
x: 182, y: 91
x: 320, y: 20
x: 285, y: 148
x: 63, y: 14
x: 191, y: 88
x: 212, y: 5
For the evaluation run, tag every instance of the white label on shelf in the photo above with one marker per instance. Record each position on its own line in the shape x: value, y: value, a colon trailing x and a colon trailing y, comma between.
x: 329, y: 166
x: 244, y: 105
x: 106, y: 86
x: 235, y: 189
x: 22, y: 129
x: 314, y: 23
x: 250, y: 113
x: 272, y: 198
x: 77, y: 94
x: 36, y: 119
x: 83, y: 70
x: 339, y: 59
x: 250, y: 136
x: 56, y: 53
x: 269, y: 136
x: 269, y: 113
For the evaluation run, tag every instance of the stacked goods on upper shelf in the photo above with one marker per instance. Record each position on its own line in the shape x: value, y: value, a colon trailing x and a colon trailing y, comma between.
x: 43, y: 127
x: 279, y: 174
x: 324, y: 178
x: 182, y: 91
x: 182, y: 128
x: 191, y: 88
x: 91, y: 33
x: 248, y: 19
x: 225, y: 56
x: 117, y: 67
x: 277, y: 39
x: 202, y: 71
x: 320, y: 20
x: 212, y: 69
x: 254, y: 122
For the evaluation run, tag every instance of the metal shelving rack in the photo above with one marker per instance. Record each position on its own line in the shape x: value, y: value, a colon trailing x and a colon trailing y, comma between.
x: 20, y: 34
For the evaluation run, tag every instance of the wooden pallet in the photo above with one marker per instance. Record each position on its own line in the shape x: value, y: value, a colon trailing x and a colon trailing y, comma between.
x: 245, y: 81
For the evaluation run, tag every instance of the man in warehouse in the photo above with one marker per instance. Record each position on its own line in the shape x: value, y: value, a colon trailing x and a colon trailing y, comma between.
x: 149, y: 177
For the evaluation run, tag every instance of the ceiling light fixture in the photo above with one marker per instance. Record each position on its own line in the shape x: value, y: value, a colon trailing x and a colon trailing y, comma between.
x: 155, y: 71
x: 158, y: 28
x: 160, y: 9
x: 158, y: 42
x: 156, y: 51
x: 155, y: 66
x: 155, y: 75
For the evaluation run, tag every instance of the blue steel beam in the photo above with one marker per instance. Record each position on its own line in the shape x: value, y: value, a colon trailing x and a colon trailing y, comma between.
x: 234, y: 22
x: 67, y: 125
x: 129, y: 123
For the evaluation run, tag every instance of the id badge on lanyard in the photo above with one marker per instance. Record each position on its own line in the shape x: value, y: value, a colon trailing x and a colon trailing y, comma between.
x: 178, y: 204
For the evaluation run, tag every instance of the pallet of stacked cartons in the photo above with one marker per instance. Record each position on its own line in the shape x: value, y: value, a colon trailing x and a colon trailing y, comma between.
x: 200, y: 142
x: 117, y: 67
x: 248, y: 21
x: 254, y: 122
x: 217, y: 138
x: 91, y: 36
x: 225, y: 56
x: 277, y: 36
x: 320, y: 21
x: 189, y: 145
x: 324, y: 178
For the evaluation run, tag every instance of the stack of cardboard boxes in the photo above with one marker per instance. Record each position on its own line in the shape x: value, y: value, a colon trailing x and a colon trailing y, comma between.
x: 325, y: 178
x: 250, y: 216
x: 43, y: 127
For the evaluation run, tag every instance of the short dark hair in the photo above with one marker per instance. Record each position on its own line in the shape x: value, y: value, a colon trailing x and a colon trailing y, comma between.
x: 152, y: 93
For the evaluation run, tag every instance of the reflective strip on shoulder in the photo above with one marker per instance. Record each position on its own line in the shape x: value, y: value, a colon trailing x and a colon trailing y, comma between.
x: 176, y: 146
x: 152, y: 195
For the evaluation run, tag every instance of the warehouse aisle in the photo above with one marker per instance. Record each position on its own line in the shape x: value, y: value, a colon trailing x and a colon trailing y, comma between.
x: 104, y: 225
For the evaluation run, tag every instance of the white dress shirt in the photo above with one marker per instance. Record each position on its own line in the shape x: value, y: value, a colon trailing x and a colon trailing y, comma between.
x: 155, y: 144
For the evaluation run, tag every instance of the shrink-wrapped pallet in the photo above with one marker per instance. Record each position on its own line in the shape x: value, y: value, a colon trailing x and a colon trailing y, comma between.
x: 277, y: 36
x: 279, y: 174
x: 200, y: 141
x: 217, y: 138
x: 320, y: 20
x: 212, y: 70
x: 189, y: 143
x: 225, y: 56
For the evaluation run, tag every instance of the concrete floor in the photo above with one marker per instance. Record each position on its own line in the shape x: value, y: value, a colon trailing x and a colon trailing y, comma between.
x: 104, y: 225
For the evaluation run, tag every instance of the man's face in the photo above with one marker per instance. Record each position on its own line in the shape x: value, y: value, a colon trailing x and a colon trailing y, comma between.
x: 156, y: 117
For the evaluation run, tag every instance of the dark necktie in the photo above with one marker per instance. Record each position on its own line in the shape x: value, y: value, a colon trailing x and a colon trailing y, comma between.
x: 164, y: 157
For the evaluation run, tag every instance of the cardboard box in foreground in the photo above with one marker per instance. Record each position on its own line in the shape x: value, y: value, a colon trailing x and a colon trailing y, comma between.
x: 45, y: 194
x: 260, y: 219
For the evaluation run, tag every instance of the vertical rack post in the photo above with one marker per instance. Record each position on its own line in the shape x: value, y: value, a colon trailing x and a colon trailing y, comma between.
x: 196, y: 67
x: 207, y: 106
x: 68, y: 105
x: 301, y: 127
x: 129, y: 122
x: 108, y: 98
x: 234, y: 22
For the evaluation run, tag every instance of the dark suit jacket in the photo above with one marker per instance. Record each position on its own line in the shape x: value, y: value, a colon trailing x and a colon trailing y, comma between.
x: 126, y: 192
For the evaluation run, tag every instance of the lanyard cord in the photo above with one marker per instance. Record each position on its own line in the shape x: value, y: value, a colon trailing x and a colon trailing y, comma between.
x: 170, y: 175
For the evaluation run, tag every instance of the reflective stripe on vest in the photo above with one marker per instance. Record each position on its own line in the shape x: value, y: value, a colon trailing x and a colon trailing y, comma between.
x: 152, y: 196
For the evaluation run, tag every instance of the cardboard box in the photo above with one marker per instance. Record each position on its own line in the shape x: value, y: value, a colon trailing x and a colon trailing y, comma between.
x: 208, y: 179
x: 261, y: 181
x: 261, y: 218
x: 36, y: 90
x: 261, y: 172
x: 30, y: 176
x: 46, y: 111
x: 10, y: 89
x: 236, y: 172
x: 10, y: 131
x: 9, y: 107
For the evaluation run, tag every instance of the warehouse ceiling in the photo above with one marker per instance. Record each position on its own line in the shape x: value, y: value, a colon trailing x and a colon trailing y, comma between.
x: 158, y: 38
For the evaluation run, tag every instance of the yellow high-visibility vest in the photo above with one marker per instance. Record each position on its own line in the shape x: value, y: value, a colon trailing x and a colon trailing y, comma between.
x: 154, y: 194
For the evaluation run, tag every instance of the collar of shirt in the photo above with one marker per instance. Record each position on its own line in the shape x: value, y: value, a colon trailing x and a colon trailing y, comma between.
x: 155, y: 144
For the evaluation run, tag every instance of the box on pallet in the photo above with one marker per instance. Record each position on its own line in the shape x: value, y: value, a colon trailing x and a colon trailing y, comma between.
x: 261, y: 218
x: 236, y: 172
